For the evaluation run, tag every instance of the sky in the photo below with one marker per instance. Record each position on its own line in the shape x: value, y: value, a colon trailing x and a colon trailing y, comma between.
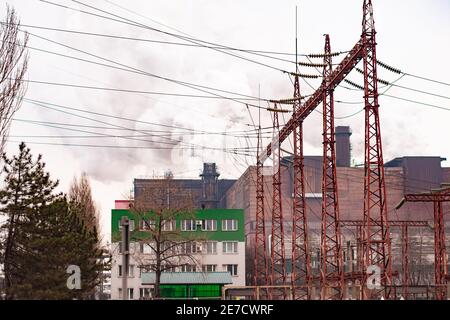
x: 412, y: 36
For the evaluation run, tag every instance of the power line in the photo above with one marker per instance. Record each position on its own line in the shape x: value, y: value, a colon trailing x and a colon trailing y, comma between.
x: 215, y: 45
x: 427, y: 79
x: 175, y: 146
x: 119, y: 117
x: 418, y: 102
x: 399, y: 98
x: 387, y: 83
x: 172, y: 141
x: 189, y: 85
x: 127, y: 68
x: 135, y: 70
x: 110, y: 146
x: 389, y: 86
x: 147, y: 40
x: 129, y: 90
x: 139, y: 25
x: 398, y: 71
x: 160, y: 133
x: 187, y: 132
x: 185, y: 38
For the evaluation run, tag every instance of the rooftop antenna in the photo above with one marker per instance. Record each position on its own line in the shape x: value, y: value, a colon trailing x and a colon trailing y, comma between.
x: 259, y: 137
x: 259, y: 103
x: 296, y: 43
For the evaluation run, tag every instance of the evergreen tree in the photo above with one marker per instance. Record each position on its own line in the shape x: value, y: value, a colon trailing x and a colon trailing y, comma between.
x: 45, y: 235
x: 27, y: 187
x: 61, y: 239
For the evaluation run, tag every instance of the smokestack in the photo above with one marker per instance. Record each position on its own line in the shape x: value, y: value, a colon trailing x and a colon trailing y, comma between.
x: 343, y: 147
x: 210, y: 185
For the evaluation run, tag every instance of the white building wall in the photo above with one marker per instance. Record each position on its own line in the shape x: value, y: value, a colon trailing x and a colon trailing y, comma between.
x: 116, y: 281
x: 220, y: 259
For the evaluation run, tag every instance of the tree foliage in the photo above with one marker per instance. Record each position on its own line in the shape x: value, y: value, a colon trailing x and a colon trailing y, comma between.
x: 80, y: 195
x: 43, y: 235
x: 158, y: 207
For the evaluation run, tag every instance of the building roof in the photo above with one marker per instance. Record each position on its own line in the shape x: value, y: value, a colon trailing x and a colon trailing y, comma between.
x: 399, y: 161
x: 188, y: 278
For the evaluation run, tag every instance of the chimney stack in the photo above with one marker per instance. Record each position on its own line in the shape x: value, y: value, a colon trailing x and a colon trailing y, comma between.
x: 210, y: 177
x: 343, y: 147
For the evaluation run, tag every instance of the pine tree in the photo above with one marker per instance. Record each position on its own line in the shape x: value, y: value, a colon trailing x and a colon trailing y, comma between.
x: 56, y: 238
x: 26, y: 188
x: 45, y: 235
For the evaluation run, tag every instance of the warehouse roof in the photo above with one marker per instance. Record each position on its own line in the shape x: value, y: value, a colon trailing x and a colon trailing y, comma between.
x: 188, y: 278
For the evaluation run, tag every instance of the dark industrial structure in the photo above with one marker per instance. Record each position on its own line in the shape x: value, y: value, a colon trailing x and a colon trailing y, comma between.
x: 207, y: 192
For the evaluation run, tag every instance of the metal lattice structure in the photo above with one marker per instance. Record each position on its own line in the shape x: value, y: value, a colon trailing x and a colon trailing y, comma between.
x: 405, y: 260
x: 277, y: 248
x: 331, y: 263
x: 260, y: 258
x: 374, y: 242
x: 376, y: 237
x: 404, y: 225
x: 440, y: 254
x: 301, y: 262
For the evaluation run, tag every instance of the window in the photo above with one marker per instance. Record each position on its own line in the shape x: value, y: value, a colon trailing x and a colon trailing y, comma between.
x: 144, y: 293
x: 147, y: 224
x: 188, y: 225
x: 230, y: 247
x: 145, y: 248
x: 131, y: 222
x: 167, y: 248
x: 210, y: 247
x: 229, y: 225
x: 188, y: 268
x: 209, y: 225
x: 130, y: 293
x: 188, y: 247
x: 231, y: 268
x: 130, y: 270
x: 209, y: 267
x: 168, y: 225
x: 168, y: 268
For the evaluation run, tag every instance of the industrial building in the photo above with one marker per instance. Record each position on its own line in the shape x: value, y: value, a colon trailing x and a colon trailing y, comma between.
x: 216, y: 256
x: 207, y: 192
x: 403, y: 175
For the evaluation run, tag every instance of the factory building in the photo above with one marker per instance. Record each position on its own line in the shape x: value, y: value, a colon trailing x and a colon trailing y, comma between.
x: 409, y: 174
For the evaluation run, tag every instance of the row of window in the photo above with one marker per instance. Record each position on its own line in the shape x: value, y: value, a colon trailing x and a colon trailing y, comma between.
x: 186, y: 225
x: 231, y: 268
x: 206, y: 247
x: 144, y: 293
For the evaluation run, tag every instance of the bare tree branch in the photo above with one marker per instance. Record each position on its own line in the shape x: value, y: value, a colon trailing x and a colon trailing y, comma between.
x: 13, y: 66
x: 158, y: 206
